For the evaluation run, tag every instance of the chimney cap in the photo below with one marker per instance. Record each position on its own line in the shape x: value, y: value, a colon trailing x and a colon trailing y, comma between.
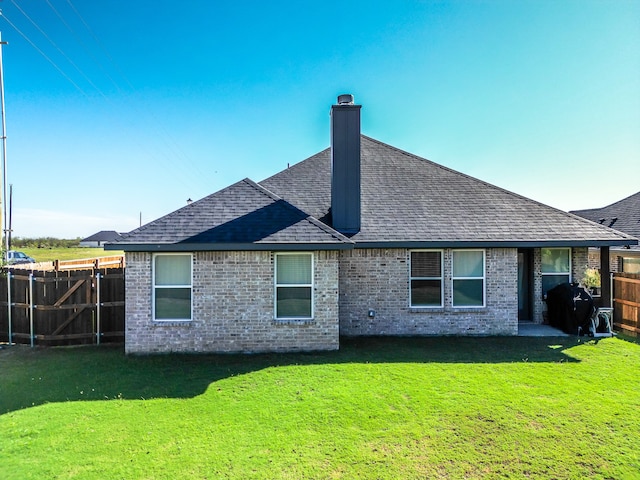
x: 346, y: 99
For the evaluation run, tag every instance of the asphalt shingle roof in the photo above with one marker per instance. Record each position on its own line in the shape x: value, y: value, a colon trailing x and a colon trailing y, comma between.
x: 243, y: 213
x: 406, y: 198
x: 406, y: 201
x: 623, y: 215
x: 103, y: 236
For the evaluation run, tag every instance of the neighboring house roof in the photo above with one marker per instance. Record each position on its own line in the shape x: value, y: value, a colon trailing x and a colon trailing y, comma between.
x: 103, y: 236
x: 407, y: 201
x: 623, y: 215
x: 241, y: 216
x: 410, y: 200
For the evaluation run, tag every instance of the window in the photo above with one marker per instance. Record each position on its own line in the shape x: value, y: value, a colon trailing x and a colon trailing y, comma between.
x: 468, y: 278
x: 172, y: 286
x: 294, y: 285
x: 556, y: 267
x: 630, y: 265
x: 426, y: 278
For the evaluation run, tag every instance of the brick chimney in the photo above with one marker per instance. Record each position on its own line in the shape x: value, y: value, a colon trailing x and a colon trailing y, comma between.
x: 345, y: 165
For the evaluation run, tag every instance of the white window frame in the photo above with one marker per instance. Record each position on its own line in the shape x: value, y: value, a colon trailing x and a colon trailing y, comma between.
x: 441, y: 278
x: 154, y: 287
x: 549, y: 274
x: 277, y: 285
x: 483, y: 277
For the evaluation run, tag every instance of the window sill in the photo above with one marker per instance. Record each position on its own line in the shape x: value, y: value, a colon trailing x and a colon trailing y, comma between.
x: 171, y: 323
x: 293, y: 321
x: 468, y: 309
x: 426, y: 309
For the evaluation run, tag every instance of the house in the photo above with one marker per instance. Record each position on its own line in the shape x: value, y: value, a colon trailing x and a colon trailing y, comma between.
x: 359, y: 239
x: 624, y: 216
x: 99, y: 239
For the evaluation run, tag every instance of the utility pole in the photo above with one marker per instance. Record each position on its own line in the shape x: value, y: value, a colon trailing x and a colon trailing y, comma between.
x: 4, y: 157
x: 10, y: 230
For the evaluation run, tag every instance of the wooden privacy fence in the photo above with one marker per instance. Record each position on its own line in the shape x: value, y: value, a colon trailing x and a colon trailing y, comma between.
x: 114, y: 261
x: 62, y: 307
x: 626, y: 302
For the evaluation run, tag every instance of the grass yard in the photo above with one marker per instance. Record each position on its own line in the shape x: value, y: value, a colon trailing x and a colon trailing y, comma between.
x: 396, y: 408
x: 74, y: 253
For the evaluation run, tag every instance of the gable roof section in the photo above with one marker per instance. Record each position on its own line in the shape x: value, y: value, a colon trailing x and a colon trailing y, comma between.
x: 623, y: 215
x: 242, y: 216
x: 408, y: 201
x: 103, y: 236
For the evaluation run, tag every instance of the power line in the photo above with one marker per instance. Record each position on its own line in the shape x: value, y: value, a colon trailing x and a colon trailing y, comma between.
x: 83, y: 45
x: 57, y: 48
x: 44, y: 55
x: 166, y: 137
x: 99, y: 43
x: 174, y: 150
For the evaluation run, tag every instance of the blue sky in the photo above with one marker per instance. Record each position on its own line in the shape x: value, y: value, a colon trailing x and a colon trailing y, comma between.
x: 124, y: 109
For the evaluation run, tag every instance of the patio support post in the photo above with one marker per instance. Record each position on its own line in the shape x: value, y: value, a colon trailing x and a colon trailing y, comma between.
x: 98, y: 300
x: 605, y: 277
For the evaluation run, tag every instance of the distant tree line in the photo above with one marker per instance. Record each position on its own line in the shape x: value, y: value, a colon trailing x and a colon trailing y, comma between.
x: 44, y: 242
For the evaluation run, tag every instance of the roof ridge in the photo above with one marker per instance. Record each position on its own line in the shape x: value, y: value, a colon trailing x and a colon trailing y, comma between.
x: 262, y: 190
x: 171, y: 214
x: 624, y: 200
x: 310, y: 218
x: 586, y: 210
x: 295, y: 165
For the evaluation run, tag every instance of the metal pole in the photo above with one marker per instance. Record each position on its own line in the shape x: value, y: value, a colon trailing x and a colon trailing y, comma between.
x: 4, y: 155
x: 9, y: 305
x: 31, y: 332
x: 611, y: 304
x: 98, y: 300
x: 10, y: 230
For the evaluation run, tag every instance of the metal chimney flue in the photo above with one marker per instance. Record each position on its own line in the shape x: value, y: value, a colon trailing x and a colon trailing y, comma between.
x: 345, y: 165
x: 346, y: 99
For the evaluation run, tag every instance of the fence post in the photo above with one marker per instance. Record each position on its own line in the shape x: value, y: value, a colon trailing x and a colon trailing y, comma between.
x: 9, y: 306
x: 98, y: 302
x: 31, y: 332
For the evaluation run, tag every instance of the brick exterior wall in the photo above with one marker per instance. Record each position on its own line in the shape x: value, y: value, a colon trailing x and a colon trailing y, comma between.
x: 233, y: 296
x: 233, y: 307
x: 378, y: 279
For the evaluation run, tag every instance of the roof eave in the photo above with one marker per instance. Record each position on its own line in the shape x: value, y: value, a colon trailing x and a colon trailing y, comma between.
x: 495, y: 244
x: 226, y: 247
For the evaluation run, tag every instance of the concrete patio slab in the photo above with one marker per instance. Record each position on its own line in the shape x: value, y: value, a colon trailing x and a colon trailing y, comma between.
x: 530, y: 329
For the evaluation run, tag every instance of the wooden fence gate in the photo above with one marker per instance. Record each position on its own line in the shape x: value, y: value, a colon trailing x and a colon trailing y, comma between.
x: 62, y: 307
x: 626, y: 302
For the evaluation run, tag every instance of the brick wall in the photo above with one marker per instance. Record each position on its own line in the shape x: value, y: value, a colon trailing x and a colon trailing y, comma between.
x: 579, y: 263
x: 378, y: 279
x: 233, y: 307
x: 233, y: 295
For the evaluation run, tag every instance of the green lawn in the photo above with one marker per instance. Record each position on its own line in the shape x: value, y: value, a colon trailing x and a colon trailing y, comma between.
x: 50, y: 254
x: 378, y: 409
